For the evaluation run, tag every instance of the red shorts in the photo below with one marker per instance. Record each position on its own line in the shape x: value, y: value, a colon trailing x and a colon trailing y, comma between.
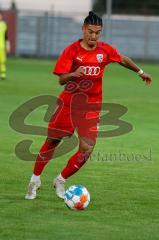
x: 66, y: 119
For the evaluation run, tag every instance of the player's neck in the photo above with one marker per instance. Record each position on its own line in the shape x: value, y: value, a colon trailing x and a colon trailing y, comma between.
x: 85, y: 45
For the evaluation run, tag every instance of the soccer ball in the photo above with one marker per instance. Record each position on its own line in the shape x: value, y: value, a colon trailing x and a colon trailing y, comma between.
x: 77, y: 197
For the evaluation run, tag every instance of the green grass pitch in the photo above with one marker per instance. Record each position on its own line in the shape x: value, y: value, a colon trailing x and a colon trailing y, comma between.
x: 124, y: 194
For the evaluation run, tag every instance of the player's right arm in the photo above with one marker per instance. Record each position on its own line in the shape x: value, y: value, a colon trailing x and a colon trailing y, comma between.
x: 66, y: 77
x: 63, y: 67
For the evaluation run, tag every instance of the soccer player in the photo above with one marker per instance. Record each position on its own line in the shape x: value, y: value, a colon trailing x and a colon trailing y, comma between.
x: 80, y: 69
x: 4, y: 47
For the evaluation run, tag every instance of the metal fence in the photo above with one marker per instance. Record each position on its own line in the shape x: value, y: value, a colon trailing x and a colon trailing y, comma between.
x: 46, y: 34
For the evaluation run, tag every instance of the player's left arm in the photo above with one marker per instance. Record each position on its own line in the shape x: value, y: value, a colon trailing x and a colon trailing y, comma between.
x: 130, y: 64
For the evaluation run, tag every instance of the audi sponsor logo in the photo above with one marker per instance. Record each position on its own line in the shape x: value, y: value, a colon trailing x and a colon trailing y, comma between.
x: 91, y: 70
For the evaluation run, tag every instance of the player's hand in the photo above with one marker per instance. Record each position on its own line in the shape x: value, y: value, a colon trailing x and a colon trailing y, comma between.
x: 79, y: 72
x: 146, y: 78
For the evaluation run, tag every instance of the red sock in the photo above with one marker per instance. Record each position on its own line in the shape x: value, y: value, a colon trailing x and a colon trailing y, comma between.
x: 45, y: 154
x: 74, y: 164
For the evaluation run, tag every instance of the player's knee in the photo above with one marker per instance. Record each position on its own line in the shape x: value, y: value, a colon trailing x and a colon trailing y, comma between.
x: 86, y: 145
x: 85, y: 148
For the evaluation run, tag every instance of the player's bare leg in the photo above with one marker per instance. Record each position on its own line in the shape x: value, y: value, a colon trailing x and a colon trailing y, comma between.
x: 45, y: 154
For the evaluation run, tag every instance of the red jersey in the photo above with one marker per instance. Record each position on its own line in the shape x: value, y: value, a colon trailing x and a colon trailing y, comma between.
x: 93, y: 62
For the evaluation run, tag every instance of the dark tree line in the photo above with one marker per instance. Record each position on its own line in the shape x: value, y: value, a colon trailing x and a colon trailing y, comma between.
x: 144, y: 7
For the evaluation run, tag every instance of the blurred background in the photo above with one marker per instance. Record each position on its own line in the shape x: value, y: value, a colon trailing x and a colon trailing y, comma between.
x: 44, y: 28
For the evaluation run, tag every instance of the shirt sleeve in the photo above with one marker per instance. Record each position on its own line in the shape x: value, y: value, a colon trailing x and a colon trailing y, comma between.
x: 64, y: 62
x: 114, y: 55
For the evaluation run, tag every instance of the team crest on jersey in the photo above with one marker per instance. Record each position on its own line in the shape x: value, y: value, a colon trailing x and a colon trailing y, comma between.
x: 100, y: 58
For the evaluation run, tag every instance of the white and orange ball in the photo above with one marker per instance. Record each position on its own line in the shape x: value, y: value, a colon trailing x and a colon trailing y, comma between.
x: 77, y: 197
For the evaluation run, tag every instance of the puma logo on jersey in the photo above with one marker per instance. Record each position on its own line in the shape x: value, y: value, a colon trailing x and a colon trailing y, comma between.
x: 79, y: 58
